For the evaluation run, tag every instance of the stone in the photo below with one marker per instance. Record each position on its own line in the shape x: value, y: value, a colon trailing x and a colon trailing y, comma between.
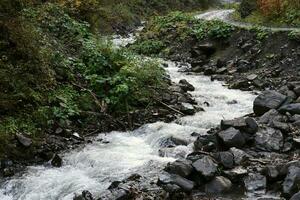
x: 252, y: 77
x: 255, y: 182
x: 268, y: 100
x: 292, y: 181
x: 24, y: 141
x: 172, y: 142
x: 226, y: 158
x: 239, y: 155
x: 290, y: 108
x: 183, y: 183
x: 269, y: 139
x: 252, y: 126
x: 86, y: 195
x: 207, y: 48
x: 218, y: 185
x: 187, y: 108
x: 296, y: 196
x: 284, y: 127
x: 56, y: 161
x: 180, y: 167
x: 271, y: 172
x: 237, y: 123
x: 297, y: 90
x: 205, y: 166
x: 236, y: 174
x: 268, y: 117
x: 186, y: 86
x: 232, y: 137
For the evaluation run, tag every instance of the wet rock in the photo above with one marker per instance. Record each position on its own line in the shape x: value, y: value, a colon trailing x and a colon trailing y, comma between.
x: 237, y: 123
x: 218, y: 185
x: 173, y: 152
x: 248, y: 125
x: 292, y: 181
x: 172, y: 142
x: 236, y: 174
x: 269, y: 116
x: 187, y: 109
x: 232, y: 137
x: 226, y: 158
x: 180, y: 167
x: 56, y: 161
x: 186, y: 86
x: 205, y: 166
x: 86, y: 195
x: 291, y: 108
x: 24, y: 141
x: 269, y: 139
x: 205, y: 142
x: 252, y: 126
x: 284, y: 127
x: 271, y: 172
x: 295, y: 196
x: 297, y: 90
x: 183, y: 183
x: 252, y: 77
x: 239, y: 155
x: 268, y: 100
x: 255, y: 182
x: 232, y: 102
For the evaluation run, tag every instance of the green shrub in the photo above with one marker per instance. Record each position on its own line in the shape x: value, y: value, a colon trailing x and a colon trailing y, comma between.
x: 260, y: 33
x: 212, y: 29
x: 149, y: 47
x: 294, y: 35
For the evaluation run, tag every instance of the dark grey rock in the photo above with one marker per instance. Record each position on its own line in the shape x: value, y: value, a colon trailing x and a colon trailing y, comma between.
x: 268, y: 100
x: 187, y: 108
x: 271, y: 172
x: 23, y: 140
x: 205, y: 166
x: 269, y: 116
x: 172, y: 142
x: 252, y: 77
x: 252, y: 126
x: 56, y: 161
x: 86, y: 195
x: 186, y: 86
x: 292, y: 181
x: 232, y: 137
x: 226, y: 158
x: 236, y: 174
x: 291, y: 108
x: 255, y: 182
x: 296, y: 196
x: 218, y: 185
x: 237, y: 123
x: 269, y: 139
x: 180, y: 167
x: 239, y: 155
x: 183, y: 183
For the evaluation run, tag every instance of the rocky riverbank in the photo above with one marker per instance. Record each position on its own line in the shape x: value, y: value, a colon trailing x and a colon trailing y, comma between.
x: 171, y: 103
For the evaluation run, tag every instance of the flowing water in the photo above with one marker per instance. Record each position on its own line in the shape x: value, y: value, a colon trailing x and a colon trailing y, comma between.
x: 96, y: 165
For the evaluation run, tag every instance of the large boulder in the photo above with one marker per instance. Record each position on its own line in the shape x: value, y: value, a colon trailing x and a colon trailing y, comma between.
x: 248, y: 125
x: 291, y: 108
x: 232, y: 137
x: 225, y: 158
x: 206, y: 167
x: 218, y: 185
x: 268, y: 100
x: 239, y: 156
x: 269, y: 139
x: 296, y: 196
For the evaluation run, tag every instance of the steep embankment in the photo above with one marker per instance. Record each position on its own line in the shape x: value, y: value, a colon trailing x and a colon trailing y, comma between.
x: 59, y: 81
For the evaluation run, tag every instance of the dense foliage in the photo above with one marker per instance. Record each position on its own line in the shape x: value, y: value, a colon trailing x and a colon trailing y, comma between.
x: 278, y: 12
x: 53, y: 70
x: 156, y: 37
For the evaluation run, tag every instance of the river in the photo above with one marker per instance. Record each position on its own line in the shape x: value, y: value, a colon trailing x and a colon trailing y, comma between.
x: 94, y: 166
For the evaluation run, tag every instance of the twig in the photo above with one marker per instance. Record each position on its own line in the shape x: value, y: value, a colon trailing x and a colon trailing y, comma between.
x: 168, y: 106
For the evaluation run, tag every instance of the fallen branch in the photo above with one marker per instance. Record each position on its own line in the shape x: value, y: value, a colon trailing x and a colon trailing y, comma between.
x: 166, y: 105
